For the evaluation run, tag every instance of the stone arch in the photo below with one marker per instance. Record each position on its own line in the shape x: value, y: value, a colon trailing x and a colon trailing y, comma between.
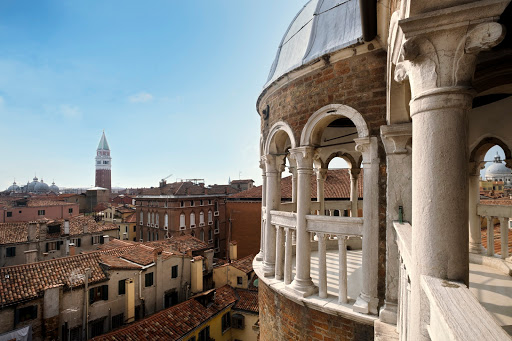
x: 351, y: 161
x: 324, y: 116
x: 481, y: 148
x: 277, y: 137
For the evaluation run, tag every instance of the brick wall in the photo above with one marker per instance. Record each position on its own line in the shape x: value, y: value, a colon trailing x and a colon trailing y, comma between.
x: 282, y: 319
x: 245, y: 226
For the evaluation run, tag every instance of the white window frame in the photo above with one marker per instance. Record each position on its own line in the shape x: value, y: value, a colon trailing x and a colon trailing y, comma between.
x: 183, y: 223
x: 166, y: 221
x: 216, y: 213
x: 192, y: 220
x: 210, y: 217
x: 141, y: 216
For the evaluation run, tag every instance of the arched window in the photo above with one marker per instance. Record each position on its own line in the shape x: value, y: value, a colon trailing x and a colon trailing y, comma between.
x: 141, y: 217
x: 149, y: 236
x: 201, y: 218
x: 153, y: 218
x: 166, y: 220
x: 192, y: 219
x: 193, y: 233
x: 216, y: 205
x: 182, y: 221
x: 210, y: 235
x: 149, y: 219
x: 201, y: 234
x: 157, y: 219
x: 210, y: 216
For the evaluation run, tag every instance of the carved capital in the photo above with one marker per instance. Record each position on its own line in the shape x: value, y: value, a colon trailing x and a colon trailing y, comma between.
x: 368, y: 147
x: 354, y: 173
x: 395, y: 137
x: 303, y: 156
x: 321, y: 173
x: 475, y: 168
x: 273, y: 164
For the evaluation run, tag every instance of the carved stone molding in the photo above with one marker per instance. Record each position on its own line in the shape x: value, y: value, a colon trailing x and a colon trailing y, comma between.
x: 303, y: 156
x: 475, y: 167
x: 395, y: 137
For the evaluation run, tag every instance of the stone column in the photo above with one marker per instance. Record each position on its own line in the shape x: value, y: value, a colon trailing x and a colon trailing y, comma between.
x: 490, y: 236
x: 293, y: 171
x: 302, y: 284
x: 398, y: 193
x: 439, y: 57
x: 354, y: 191
x: 504, y: 237
x: 321, y: 175
x: 475, y: 230
x: 280, y: 253
x: 367, y: 301
x: 288, y: 256
x: 259, y: 256
x: 273, y: 167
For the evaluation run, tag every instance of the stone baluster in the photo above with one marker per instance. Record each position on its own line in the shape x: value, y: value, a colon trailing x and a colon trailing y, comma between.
x: 490, y: 236
x: 331, y: 213
x: 321, y: 175
x: 288, y: 256
x: 354, y: 191
x: 322, y: 265
x: 302, y: 283
x: 293, y: 171
x: 259, y: 256
x: 438, y: 57
x: 475, y: 230
x: 504, y: 237
x: 280, y: 253
x: 342, y: 272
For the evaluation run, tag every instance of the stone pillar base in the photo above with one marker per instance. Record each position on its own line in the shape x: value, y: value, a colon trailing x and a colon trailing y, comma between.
x: 302, y: 288
x: 366, y: 305
x: 477, y: 248
x: 259, y: 256
x: 269, y: 269
x: 388, y: 313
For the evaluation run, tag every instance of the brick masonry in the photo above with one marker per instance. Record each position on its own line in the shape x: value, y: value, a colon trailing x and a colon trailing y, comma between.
x: 358, y: 82
x: 282, y: 319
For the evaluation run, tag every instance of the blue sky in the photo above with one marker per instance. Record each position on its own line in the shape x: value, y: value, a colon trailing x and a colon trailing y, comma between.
x: 174, y: 85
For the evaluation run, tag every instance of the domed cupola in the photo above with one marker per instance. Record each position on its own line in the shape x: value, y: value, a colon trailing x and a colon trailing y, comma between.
x: 54, y: 188
x: 14, y: 188
x: 41, y: 187
x: 498, y: 168
x: 32, y: 186
x: 321, y: 27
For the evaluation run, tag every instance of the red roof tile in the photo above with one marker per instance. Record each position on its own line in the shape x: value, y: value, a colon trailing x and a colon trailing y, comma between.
x: 243, y: 264
x: 247, y: 300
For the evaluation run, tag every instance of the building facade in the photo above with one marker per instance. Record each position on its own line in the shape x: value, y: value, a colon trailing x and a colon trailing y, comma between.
x: 415, y: 93
x: 28, y: 209
x: 103, y: 164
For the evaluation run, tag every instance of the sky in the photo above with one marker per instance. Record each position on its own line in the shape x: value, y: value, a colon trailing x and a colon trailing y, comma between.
x: 174, y: 85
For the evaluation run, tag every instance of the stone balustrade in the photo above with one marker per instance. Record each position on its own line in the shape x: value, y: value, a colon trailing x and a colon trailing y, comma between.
x: 492, y: 212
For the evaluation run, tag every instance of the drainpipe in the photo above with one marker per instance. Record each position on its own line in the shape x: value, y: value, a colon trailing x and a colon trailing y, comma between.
x: 368, y: 10
x: 140, y: 294
x: 85, y: 324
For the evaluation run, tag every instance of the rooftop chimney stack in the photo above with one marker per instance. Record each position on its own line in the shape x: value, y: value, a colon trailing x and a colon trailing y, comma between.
x: 66, y: 227
x: 32, y: 231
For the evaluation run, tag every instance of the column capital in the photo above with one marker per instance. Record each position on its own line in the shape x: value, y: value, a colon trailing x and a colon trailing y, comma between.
x: 475, y: 167
x: 303, y: 156
x: 321, y: 173
x: 354, y: 173
x: 368, y: 147
x: 395, y: 137
x: 441, y: 47
x: 273, y: 163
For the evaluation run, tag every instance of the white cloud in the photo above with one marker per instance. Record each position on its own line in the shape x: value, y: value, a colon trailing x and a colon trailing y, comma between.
x: 141, y: 97
x: 69, y: 111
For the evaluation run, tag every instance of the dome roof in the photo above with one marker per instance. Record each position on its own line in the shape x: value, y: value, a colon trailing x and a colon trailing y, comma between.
x: 41, y: 187
x: 13, y: 187
x: 321, y: 27
x: 497, y: 168
x: 32, y: 185
x: 54, y: 188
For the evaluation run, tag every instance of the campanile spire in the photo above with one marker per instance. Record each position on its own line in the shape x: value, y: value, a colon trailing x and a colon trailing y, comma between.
x: 103, y: 164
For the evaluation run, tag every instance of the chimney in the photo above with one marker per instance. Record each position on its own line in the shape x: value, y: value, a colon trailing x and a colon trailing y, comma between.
x: 51, y: 310
x: 72, y: 250
x: 66, y: 227
x: 157, y: 251
x: 208, y: 254
x: 129, y: 311
x: 85, y: 227
x: 196, y: 274
x: 43, y: 230
x: 32, y: 231
x: 233, y: 250
x: 106, y: 239
x: 30, y: 256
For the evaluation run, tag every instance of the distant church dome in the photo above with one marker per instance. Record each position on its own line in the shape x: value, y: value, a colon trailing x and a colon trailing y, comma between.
x: 54, y: 188
x: 41, y: 187
x: 13, y: 187
x: 321, y: 27
x: 498, y: 171
x: 32, y: 186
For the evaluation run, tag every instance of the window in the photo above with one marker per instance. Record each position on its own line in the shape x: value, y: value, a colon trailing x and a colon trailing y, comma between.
x: 201, y: 234
x: 97, y: 240
x: 149, y: 219
x: 201, y: 218
x: 135, y: 228
x: 121, y: 287
x: 217, y: 242
x: 204, y: 334
x: 25, y: 314
x: 157, y: 220
x: 11, y: 251
x: 209, y: 202
x: 201, y: 203
x: 174, y: 271
x: 148, y: 279
x: 239, y: 280
x: 141, y: 217
x: 70, y: 210
x: 191, y: 202
x: 238, y: 321
x: 170, y: 298
x: 210, y: 217
x: 182, y: 221
x: 216, y: 206
x: 54, y: 229
x: 41, y: 212
x: 226, y: 321
x: 216, y: 226
x: 117, y: 321
x: 210, y: 236
x: 9, y: 214
x: 77, y: 241
x: 98, y: 294
x: 192, y: 220
x: 166, y: 221
x: 52, y: 246
x: 182, y: 204
x: 97, y: 327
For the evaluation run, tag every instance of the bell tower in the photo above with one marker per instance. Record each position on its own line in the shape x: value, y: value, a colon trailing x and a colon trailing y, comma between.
x: 103, y: 164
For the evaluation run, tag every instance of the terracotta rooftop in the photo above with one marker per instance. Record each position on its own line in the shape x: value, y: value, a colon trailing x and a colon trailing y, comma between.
x: 242, y: 264
x: 188, y: 189
x: 115, y: 243
x: 132, y: 218
x: 337, y: 186
x: 246, y: 181
x: 177, y: 321
x: 11, y: 203
x: 24, y: 282
x: 501, y: 201
x: 180, y: 244
x: 247, y: 300
x: 11, y: 233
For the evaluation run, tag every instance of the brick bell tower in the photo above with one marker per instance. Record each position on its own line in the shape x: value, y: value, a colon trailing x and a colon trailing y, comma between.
x: 103, y: 164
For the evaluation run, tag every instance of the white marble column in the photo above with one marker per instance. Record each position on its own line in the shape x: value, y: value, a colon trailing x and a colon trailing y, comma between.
x: 398, y: 193
x: 504, y: 237
x: 288, y: 256
x: 302, y: 284
x: 279, y: 270
x: 322, y: 265
x: 293, y: 171
x: 273, y: 166
x: 439, y: 56
x: 367, y: 301
x: 354, y: 191
x: 321, y: 175
x: 475, y: 230
x: 342, y: 269
x: 490, y: 236
x: 259, y: 256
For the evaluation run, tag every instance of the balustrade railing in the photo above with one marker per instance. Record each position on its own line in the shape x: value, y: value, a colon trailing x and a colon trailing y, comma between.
x: 492, y: 212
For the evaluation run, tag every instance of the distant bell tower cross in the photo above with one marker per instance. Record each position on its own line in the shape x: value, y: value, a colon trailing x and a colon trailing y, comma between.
x: 103, y: 164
